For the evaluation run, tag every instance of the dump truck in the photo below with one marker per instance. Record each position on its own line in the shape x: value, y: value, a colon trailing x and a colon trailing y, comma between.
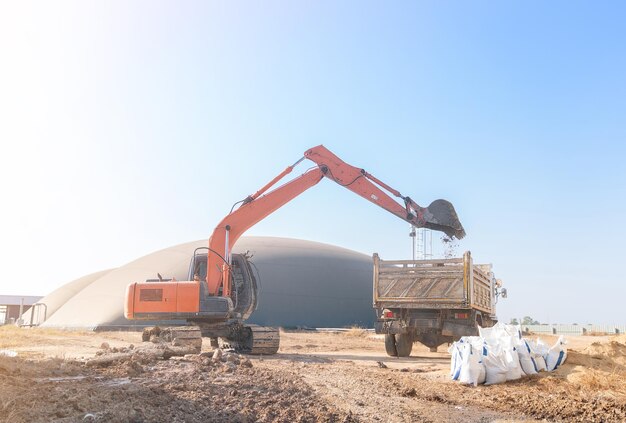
x: 221, y: 293
x: 432, y: 301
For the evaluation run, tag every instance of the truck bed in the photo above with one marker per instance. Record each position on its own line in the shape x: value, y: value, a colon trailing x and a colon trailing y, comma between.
x: 433, y: 284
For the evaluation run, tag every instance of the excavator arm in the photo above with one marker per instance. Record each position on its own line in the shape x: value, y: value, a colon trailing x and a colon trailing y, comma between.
x: 439, y: 215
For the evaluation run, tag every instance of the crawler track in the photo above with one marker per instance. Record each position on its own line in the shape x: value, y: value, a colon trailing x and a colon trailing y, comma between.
x: 265, y: 340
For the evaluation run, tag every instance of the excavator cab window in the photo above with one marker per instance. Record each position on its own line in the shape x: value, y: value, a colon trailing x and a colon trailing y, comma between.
x: 200, y: 269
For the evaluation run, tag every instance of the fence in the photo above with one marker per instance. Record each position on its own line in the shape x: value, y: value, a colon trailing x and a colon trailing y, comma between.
x: 556, y: 329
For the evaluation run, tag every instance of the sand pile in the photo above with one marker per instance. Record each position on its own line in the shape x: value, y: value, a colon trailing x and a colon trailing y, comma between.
x: 600, y: 367
x: 615, y: 350
x: 608, y: 356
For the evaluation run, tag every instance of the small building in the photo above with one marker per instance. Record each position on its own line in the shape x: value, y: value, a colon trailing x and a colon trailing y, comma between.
x: 10, y: 306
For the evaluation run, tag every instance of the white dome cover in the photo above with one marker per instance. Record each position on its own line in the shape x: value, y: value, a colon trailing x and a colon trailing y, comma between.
x: 303, y: 283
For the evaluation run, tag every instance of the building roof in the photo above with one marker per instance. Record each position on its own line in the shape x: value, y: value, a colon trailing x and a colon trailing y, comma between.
x: 6, y: 300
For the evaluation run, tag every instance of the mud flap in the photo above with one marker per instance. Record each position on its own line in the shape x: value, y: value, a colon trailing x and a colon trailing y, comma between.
x: 457, y: 330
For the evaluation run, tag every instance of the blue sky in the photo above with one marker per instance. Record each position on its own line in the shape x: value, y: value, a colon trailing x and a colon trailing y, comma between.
x: 130, y: 127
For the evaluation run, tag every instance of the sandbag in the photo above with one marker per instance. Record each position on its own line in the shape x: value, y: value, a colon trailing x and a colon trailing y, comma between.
x: 540, y: 362
x: 494, y: 332
x: 479, y: 348
x: 526, y: 359
x: 472, y: 368
x: 456, y: 360
x: 539, y: 347
x: 557, y: 354
x: 514, y: 370
x: 476, y: 342
x: 500, y: 330
x: 466, y: 364
x: 515, y: 331
x: 539, y: 351
x: 495, y: 366
x: 507, y: 342
x: 482, y: 372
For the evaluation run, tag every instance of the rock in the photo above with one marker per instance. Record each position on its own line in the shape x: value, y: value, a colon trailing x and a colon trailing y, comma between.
x: 133, y: 368
x: 217, y: 355
x: 107, y: 359
x: 105, y: 346
x: 246, y: 362
x: 409, y: 392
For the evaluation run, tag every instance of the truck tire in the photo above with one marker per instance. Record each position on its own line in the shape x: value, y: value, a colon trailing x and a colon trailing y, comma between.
x: 390, y: 345
x: 404, y: 344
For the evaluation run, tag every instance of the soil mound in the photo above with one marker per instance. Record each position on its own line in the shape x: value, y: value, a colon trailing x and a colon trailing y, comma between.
x: 607, y: 356
x: 600, y: 368
x: 192, y: 388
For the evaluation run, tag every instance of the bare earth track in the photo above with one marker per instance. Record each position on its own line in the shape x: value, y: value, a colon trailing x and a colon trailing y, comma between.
x: 341, y: 377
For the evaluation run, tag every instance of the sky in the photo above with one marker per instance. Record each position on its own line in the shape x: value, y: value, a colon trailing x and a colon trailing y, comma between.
x: 128, y: 127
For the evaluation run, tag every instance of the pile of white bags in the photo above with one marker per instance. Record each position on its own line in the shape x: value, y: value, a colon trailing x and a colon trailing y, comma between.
x: 500, y: 353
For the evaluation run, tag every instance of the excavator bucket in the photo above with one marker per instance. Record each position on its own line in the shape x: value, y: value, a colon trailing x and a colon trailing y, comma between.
x: 441, y: 216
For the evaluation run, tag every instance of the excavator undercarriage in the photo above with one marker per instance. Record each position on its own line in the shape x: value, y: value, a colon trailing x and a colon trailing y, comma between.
x: 244, y: 339
x: 255, y: 340
x: 229, y: 334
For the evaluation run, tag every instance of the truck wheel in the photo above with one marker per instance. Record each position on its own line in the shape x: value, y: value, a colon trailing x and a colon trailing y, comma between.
x: 390, y: 345
x: 404, y: 344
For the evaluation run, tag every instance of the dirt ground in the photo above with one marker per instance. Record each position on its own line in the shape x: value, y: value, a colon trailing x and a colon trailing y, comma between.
x: 316, y: 376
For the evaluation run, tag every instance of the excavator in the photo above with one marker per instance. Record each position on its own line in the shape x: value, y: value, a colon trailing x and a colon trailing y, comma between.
x: 221, y: 292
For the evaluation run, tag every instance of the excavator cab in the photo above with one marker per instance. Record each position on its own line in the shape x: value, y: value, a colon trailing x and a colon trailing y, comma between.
x: 244, y: 284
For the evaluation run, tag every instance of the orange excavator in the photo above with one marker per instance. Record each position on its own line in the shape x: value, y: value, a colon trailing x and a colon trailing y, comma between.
x: 221, y: 292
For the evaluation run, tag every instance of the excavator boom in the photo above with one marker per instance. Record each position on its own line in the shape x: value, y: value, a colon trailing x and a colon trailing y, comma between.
x: 439, y: 215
